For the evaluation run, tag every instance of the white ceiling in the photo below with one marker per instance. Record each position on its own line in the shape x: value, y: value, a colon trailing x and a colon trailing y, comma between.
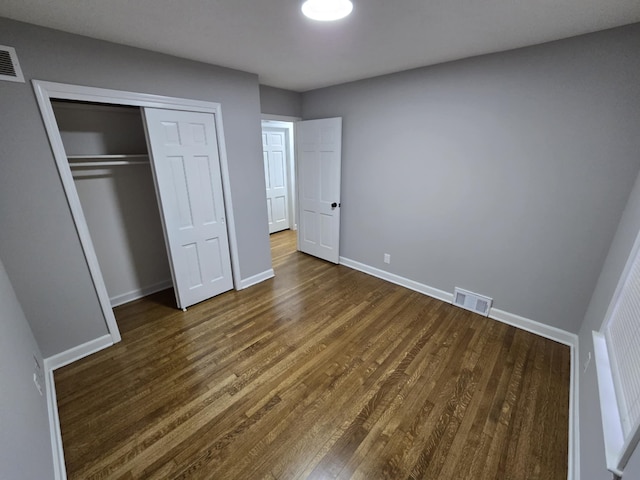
x: 273, y: 39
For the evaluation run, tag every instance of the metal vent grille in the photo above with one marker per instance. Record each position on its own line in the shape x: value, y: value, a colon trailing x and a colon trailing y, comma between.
x: 472, y: 301
x: 9, y: 66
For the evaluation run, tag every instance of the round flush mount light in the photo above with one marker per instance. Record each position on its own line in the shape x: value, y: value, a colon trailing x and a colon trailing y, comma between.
x: 327, y: 10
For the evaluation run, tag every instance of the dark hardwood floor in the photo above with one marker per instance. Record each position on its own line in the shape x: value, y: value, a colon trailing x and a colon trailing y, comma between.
x: 322, y: 372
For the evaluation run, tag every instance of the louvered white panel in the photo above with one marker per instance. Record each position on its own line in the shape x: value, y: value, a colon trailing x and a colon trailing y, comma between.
x: 472, y: 301
x: 9, y: 66
x: 622, y: 334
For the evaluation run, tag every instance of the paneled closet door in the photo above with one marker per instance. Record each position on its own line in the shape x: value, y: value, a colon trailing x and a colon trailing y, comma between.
x: 184, y: 155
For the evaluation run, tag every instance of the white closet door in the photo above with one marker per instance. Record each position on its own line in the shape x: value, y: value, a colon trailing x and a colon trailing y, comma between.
x: 184, y: 156
x: 319, y: 164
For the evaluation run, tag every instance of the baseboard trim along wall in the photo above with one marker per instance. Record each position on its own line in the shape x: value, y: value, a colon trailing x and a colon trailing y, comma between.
x: 398, y: 280
x: 255, y: 279
x: 76, y: 353
x: 50, y: 365
x: 59, y: 469
x: 127, y: 297
x: 546, y: 331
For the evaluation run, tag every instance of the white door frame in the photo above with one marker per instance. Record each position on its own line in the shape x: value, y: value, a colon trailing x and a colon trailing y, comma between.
x: 47, y: 91
x: 288, y: 123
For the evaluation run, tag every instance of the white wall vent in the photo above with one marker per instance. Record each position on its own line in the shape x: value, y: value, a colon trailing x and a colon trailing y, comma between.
x: 472, y: 301
x: 9, y: 66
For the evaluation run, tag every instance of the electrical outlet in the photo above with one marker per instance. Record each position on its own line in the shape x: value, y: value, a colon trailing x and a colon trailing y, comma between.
x: 587, y: 362
x: 387, y: 258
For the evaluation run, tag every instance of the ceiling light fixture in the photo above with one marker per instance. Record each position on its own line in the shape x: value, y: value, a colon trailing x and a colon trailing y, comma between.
x: 326, y: 10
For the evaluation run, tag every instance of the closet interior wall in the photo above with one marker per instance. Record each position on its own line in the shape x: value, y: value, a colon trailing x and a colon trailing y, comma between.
x: 108, y: 156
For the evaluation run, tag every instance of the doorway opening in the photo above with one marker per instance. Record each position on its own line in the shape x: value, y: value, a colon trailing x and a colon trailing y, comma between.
x: 109, y: 160
x: 303, y: 193
x: 278, y: 150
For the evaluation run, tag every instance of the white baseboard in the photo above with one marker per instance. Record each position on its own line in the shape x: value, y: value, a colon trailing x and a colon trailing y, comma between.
x: 76, y: 353
x: 60, y: 471
x: 260, y: 277
x: 546, y: 331
x: 50, y: 364
x: 140, y: 292
x: 398, y: 280
x: 574, y: 415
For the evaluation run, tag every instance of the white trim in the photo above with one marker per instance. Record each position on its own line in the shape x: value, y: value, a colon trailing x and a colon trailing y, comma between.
x: 228, y: 206
x: 59, y: 469
x: 44, y: 92
x: 77, y: 353
x: 287, y: 121
x: 573, y: 470
x: 635, y: 251
x: 50, y: 364
x: 279, y: 118
x: 571, y: 340
x: 624, y: 449
x: 255, y: 279
x: 292, y: 192
x: 120, y: 97
x: 127, y: 297
x: 546, y: 331
x: 398, y: 280
x: 611, y: 427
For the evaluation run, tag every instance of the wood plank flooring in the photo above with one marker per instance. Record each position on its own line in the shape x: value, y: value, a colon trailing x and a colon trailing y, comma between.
x: 322, y: 372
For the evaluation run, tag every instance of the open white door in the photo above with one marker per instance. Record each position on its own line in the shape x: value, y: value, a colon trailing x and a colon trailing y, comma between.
x: 184, y: 155
x: 319, y: 164
x: 274, y: 150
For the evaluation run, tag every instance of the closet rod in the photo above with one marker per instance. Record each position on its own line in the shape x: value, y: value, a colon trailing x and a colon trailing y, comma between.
x: 108, y: 163
x: 125, y: 156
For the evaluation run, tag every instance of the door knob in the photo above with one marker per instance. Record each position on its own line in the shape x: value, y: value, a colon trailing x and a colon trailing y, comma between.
x: 334, y: 205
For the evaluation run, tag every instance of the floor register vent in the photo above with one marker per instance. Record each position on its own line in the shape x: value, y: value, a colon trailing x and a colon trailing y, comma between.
x: 9, y: 67
x: 472, y: 301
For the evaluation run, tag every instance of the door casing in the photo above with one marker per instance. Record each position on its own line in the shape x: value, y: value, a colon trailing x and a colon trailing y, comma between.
x: 288, y: 124
x: 47, y: 91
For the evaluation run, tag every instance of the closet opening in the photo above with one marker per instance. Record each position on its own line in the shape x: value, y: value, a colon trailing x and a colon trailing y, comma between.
x: 107, y: 153
x: 147, y: 182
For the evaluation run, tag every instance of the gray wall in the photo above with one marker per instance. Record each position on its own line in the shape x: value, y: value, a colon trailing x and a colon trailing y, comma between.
x: 25, y: 448
x: 593, y: 466
x: 37, y: 237
x: 276, y: 101
x: 504, y: 174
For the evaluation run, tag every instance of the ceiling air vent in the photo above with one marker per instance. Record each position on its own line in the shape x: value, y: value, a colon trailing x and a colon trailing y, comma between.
x: 9, y: 66
x: 472, y: 301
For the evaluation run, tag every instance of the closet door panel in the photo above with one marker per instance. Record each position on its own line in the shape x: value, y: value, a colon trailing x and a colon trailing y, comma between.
x: 186, y: 165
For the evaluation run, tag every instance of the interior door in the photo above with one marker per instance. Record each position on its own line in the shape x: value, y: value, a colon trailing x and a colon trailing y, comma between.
x: 184, y: 155
x: 319, y: 164
x: 274, y: 151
